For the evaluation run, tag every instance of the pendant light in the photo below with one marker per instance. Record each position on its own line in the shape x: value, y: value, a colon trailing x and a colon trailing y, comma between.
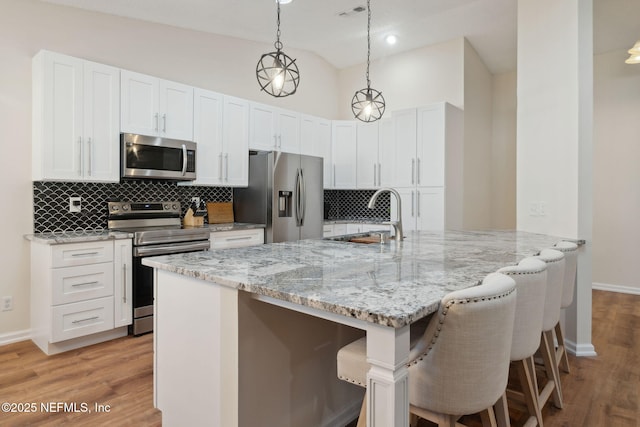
x: 277, y: 73
x: 368, y: 104
x: 634, y: 54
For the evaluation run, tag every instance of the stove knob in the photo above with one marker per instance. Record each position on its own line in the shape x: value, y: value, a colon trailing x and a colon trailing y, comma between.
x: 114, y: 208
x: 125, y: 207
x: 174, y: 206
x: 166, y: 207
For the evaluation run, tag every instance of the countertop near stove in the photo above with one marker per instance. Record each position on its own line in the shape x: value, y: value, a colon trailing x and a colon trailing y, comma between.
x: 76, y: 236
x: 233, y: 226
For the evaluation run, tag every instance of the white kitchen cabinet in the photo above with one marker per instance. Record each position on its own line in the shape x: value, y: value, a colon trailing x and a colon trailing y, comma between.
x: 367, y: 155
x: 423, y: 208
x: 343, y: 154
x: 236, y: 238
x: 235, y: 142
x: 155, y: 107
x: 404, y: 140
x: 78, y: 292
x: 122, y: 283
x: 386, y: 152
x: 75, y: 128
x: 220, y: 129
x: 315, y: 140
x: 274, y: 129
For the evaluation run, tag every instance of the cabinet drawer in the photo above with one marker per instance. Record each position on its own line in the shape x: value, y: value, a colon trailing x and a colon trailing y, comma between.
x: 83, y: 282
x: 81, y: 318
x: 70, y: 254
x: 327, y: 230
x: 237, y: 239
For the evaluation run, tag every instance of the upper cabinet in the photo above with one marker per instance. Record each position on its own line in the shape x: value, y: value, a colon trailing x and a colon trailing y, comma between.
x: 343, y: 154
x: 404, y: 162
x: 315, y: 140
x: 75, y: 119
x: 236, y: 141
x: 156, y: 107
x: 273, y: 129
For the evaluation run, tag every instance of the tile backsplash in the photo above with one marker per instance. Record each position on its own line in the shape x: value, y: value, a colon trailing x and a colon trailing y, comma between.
x: 51, y: 201
x: 352, y: 204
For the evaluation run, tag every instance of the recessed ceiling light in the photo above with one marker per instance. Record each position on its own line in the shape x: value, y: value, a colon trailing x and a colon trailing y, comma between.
x: 391, y: 39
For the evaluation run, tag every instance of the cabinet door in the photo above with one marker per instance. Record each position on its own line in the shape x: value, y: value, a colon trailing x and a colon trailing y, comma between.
x: 139, y: 103
x: 323, y: 149
x: 404, y: 125
x: 57, y: 117
x: 288, y: 131
x: 430, y: 146
x: 309, y: 137
x: 236, y: 142
x: 236, y: 239
x: 386, y: 153
x: 430, y: 208
x: 176, y: 110
x: 367, y: 155
x: 122, y: 281
x: 207, y: 133
x: 408, y: 207
x: 262, y: 133
x: 343, y: 153
x: 101, y: 122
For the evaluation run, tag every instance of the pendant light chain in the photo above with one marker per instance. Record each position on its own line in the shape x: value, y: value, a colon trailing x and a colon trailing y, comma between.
x: 278, y: 44
x: 368, y: 39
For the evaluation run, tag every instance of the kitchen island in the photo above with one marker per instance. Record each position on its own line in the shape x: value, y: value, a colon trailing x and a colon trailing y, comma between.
x: 204, y: 298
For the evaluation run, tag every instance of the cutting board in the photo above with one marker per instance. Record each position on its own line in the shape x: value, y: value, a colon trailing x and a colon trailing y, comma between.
x: 220, y: 212
x: 366, y: 239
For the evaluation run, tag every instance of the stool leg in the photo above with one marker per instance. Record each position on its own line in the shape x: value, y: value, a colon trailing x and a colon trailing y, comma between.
x: 501, y: 410
x: 562, y: 350
x: 362, y: 418
x: 529, y: 384
x: 551, y: 367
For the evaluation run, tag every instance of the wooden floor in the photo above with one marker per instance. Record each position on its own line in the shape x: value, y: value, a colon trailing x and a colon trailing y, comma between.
x: 600, y: 392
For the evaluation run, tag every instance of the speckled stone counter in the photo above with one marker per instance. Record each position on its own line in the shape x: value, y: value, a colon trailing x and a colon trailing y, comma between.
x: 234, y: 226
x: 76, y: 236
x: 392, y: 284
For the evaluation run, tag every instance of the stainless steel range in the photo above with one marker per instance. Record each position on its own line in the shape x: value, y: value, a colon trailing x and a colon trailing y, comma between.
x: 157, y: 230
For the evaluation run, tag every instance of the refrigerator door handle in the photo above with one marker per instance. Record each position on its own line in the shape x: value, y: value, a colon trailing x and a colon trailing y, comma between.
x: 303, y: 197
x: 298, y: 196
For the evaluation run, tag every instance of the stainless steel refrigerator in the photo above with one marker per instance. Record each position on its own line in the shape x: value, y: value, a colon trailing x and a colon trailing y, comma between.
x: 285, y: 192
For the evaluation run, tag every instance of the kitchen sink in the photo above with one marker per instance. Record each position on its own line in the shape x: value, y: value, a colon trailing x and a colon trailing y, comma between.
x: 365, y: 238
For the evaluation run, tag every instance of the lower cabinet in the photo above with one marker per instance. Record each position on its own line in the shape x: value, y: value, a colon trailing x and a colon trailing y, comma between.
x: 236, y: 238
x: 80, y: 293
x: 423, y: 208
x: 331, y: 230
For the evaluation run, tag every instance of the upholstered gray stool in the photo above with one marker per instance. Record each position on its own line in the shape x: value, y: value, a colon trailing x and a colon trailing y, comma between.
x: 460, y: 364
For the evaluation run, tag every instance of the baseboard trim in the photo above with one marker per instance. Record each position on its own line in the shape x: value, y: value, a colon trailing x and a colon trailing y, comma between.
x: 16, y: 336
x: 616, y: 288
x: 580, y: 350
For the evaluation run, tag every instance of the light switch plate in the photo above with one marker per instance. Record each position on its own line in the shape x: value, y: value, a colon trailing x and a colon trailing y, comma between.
x: 75, y: 204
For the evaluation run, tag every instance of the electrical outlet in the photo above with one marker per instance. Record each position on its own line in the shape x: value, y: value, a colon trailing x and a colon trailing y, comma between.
x: 7, y: 303
x: 542, y: 208
x: 196, y: 200
x: 75, y: 204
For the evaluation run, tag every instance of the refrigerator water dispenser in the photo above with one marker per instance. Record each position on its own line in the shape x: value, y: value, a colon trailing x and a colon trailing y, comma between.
x: 284, y: 203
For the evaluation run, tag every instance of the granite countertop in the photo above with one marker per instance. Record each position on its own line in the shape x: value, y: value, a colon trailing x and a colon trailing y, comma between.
x: 78, y: 236
x: 233, y: 226
x: 393, y: 284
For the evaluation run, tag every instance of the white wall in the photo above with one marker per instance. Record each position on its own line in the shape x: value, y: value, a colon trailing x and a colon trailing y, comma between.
x: 222, y: 64
x: 616, y: 190
x: 503, y: 152
x: 554, y: 136
x: 477, y: 141
x: 409, y: 79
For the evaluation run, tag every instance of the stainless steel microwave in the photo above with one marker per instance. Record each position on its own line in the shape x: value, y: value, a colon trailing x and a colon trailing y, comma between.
x: 149, y: 157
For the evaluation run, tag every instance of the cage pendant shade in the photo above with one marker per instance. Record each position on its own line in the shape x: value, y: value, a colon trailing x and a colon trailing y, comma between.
x: 368, y: 104
x: 276, y: 72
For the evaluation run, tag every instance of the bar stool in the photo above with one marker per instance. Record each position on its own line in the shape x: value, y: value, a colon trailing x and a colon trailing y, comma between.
x: 555, y: 277
x: 530, y: 276
x: 570, y: 251
x: 460, y: 365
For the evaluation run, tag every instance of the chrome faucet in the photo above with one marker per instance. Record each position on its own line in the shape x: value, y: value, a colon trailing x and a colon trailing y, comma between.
x: 397, y: 225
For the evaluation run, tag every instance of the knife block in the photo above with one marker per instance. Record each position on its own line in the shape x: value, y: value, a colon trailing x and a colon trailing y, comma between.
x: 192, y: 221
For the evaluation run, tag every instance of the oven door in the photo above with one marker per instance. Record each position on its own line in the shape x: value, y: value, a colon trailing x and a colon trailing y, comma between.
x: 143, y: 281
x: 159, y: 158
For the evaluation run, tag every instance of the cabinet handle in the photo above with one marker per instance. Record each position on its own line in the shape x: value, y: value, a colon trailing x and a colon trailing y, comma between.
x: 79, y: 156
x: 275, y: 141
x: 164, y: 123
x: 156, y: 117
x: 374, y: 174
x: 413, y: 171
x: 413, y: 204
x: 229, y: 239
x: 90, y: 156
x: 220, y: 164
x: 418, y: 202
x: 379, y: 175
x: 279, y: 141
x: 95, y: 282
x: 334, y: 174
x: 86, y: 254
x: 418, y: 173
x: 226, y: 166
x: 85, y: 320
x: 124, y: 283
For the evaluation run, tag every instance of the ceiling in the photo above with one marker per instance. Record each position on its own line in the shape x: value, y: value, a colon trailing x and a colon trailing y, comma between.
x: 317, y: 26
